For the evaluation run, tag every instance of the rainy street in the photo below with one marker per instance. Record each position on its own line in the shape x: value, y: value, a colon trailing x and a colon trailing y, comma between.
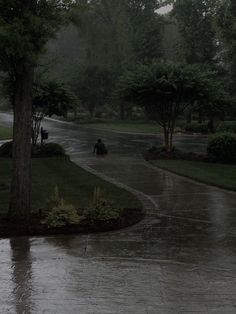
x: 180, y: 259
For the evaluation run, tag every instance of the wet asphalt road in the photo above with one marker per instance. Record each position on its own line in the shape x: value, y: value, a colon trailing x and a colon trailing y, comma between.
x: 185, y: 263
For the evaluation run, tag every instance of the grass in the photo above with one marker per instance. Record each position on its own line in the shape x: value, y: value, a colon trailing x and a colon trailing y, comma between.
x: 219, y: 175
x: 5, y: 133
x: 133, y: 127
x: 75, y: 185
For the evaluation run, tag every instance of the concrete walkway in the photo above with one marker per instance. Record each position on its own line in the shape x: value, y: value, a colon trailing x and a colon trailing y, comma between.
x: 185, y: 264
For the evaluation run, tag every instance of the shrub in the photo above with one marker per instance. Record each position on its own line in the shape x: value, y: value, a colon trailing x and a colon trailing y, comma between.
x: 48, y: 150
x: 196, y: 128
x: 6, y: 149
x: 58, y: 214
x: 222, y: 148
x: 101, y: 209
x: 226, y: 127
x: 45, y: 150
x: 178, y: 129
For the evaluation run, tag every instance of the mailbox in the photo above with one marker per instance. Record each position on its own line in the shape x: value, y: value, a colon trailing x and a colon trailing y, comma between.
x: 44, y: 135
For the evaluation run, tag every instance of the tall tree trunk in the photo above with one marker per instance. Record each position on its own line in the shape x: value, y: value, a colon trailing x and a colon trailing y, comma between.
x: 166, y: 139
x: 122, y: 111
x: 20, y: 195
x: 211, y: 125
x: 200, y: 117
x: 189, y: 117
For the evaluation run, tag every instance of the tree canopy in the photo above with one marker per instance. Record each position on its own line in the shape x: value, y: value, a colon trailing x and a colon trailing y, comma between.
x: 25, y: 28
x: 165, y: 90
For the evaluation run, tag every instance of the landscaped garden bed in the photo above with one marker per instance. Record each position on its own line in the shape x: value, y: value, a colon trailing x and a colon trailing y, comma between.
x: 98, y: 205
x: 129, y: 216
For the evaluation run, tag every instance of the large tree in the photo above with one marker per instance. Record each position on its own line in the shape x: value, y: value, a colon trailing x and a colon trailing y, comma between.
x: 25, y: 27
x: 166, y: 90
x: 114, y: 34
x: 196, y: 19
x: 227, y: 26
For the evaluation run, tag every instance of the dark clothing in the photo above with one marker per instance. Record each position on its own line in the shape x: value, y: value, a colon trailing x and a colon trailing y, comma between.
x: 100, y: 148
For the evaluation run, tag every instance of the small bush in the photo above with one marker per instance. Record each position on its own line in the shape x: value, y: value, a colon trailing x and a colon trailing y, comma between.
x: 196, y: 128
x: 222, y: 148
x: 6, y: 149
x: 101, y: 209
x: 58, y: 214
x: 229, y: 127
x: 45, y: 150
x: 178, y: 129
x: 48, y: 150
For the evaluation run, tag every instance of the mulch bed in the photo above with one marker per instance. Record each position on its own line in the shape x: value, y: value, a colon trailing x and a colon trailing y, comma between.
x: 155, y: 153
x: 129, y: 217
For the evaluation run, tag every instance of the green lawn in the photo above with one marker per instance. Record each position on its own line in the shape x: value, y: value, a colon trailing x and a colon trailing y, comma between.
x: 136, y: 127
x: 5, y: 133
x: 75, y: 185
x: 223, y: 176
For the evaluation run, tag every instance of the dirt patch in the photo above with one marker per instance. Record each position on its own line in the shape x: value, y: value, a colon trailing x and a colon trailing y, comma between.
x: 129, y: 217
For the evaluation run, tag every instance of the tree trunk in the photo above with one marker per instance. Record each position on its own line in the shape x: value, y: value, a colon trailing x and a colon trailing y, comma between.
x: 20, y: 195
x: 122, y: 111
x: 189, y: 117
x: 211, y: 125
x: 166, y: 139
x: 200, y: 117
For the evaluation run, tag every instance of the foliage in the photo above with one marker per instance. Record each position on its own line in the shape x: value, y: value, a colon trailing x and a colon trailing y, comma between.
x: 222, y: 148
x: 229, y: 127
x: 58, y: 214
x: 101, y: 209
x: 52, y: 98
x: 166, y: 90
x: 196, y: 128
x: 6, y: 149
x: 226, y: 21
x: 93, y: 86
x: 112, y: 35
x: 196, y: 24
x: 45, y: 150
x: 25, y: 28
x: 160, y: 153
x: 49, y: 98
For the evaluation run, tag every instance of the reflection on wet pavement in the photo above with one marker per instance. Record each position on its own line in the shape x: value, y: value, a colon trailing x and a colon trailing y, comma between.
x: 185, y: 264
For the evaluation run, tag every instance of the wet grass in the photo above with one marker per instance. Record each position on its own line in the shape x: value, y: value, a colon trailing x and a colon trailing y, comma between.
x: 132, y: 127
x: 75, y: 185
x: 5, y: 133
x: 219, y: 175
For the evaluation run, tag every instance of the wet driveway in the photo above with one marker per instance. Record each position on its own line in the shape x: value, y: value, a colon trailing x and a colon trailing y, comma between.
x: 185, y: 264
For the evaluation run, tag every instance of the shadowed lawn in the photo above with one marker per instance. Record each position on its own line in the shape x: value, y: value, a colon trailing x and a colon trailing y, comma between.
x: 5, y: 133
x: 220, y: 175
x: 136, y: 127
x: 75, y: 185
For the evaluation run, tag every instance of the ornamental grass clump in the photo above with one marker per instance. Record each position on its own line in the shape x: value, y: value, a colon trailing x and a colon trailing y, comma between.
x: 101, y: 208
x: 59, y: 214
